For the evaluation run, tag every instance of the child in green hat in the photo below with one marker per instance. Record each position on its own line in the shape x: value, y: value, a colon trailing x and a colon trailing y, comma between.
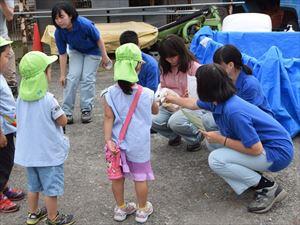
x: 135, y: 152
x: 7, y: 131
x: 41, y: 146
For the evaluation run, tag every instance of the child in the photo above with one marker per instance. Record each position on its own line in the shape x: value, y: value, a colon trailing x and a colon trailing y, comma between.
x: 252, y: 140
x: 87, y: 50
x: 7, y: 130
x: 135, y: 151
x: 41, y: 146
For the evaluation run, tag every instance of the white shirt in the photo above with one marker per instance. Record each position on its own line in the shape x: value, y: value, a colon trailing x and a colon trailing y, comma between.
x: 40, y: 141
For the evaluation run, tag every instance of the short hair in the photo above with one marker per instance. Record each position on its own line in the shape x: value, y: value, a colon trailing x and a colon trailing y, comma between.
x: 229, y: 53
x: 129, y: 36
x: 126, y: 86
x: 213, y: 84
x: 63, y: 6
x: 3, y: 48
x: 173, y: 46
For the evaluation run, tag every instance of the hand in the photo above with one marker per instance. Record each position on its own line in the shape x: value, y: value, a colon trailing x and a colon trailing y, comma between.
x: 169, y: 98
x: 62, y: 80
x: 105, y: 60
x: 186, y: 93
x: 213, y: 137
x: 112, y: 146
x: 3, y: 140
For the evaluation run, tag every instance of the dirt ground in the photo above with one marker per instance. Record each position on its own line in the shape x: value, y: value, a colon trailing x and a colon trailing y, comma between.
x: 185, y: 192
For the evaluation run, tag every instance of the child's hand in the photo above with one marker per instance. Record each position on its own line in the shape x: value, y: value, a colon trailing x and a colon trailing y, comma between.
x: 112, y: 146
x: 3, y: 140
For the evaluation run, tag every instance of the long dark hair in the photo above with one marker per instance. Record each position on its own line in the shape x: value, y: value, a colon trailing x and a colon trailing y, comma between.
x: 68, y: 8
x: 213, y: 84
x: 229, y: 53
x: 126, y: 86
x: 172, y: 46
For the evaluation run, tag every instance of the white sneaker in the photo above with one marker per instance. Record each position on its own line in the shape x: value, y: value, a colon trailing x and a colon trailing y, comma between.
x: 141, y: 216
x: 121, y: 214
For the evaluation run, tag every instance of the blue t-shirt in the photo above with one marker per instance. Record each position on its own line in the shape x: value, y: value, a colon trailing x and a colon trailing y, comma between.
x: 249, y: 89
x: 40, y: 140
x: 83, y: 37
x: 240, y: 120
x: 7, y: 107
x: 149, y: 74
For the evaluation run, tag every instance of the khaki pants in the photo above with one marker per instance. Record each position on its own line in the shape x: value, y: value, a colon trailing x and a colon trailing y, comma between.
x: 10, y: 72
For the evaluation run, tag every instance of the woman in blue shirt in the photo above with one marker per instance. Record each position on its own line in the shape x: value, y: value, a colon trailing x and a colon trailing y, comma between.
x: 87, y: 49
x: 252, y: 140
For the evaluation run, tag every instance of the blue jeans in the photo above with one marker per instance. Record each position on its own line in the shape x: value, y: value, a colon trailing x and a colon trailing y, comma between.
x: 238, y: 169
x: 82, y: 71
x: 173, y: 124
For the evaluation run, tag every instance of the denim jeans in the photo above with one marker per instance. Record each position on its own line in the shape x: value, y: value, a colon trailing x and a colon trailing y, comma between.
x: 82, y: 71
x: 171, y: 124
x: 238, y: 169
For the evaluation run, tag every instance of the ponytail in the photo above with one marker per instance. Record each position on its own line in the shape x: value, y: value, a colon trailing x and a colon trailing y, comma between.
x: 125, y: 86
x: 246, y: 69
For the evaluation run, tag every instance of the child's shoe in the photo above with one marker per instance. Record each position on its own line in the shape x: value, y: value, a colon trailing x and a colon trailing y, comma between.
x: 7, y: 206
x: 122, y: 213
x: 34, y: 218
x: 61, y: 219
x: 143, y: 214
x: 14, y: 194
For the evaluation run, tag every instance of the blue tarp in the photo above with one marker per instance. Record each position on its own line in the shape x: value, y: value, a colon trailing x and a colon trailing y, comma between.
x: 279, y: 77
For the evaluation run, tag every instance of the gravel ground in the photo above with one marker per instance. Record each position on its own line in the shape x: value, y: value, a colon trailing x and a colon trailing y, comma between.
x: 185, y: 191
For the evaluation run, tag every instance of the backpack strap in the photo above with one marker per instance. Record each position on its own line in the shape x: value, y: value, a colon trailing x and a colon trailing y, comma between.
x: 130, y: 113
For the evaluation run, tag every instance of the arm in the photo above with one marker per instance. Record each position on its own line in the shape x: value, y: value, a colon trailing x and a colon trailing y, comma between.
x: 105, y: 58
x: 189, y: 103
x: 62, y: 120
x: 155, y: 108
x: 108, y: 121
x: 7, y: 11
x: 3, y: 140
x: 255, y: 149
x: 63, y: 68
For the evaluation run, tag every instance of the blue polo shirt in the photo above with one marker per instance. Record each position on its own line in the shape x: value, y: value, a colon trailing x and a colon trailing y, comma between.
x: 249, y: 89
x: 149, y: 74
x: 240, y: 120
x: 83, y: 37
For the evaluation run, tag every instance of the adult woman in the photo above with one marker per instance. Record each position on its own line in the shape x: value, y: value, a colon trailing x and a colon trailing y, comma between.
x: 252, y: 139
x: 176, y: 64
x: 87, y: 49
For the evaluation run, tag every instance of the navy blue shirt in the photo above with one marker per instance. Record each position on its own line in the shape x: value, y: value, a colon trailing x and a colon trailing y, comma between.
x: 83, y: 37
x: 249, y: 89
x: 240, y: 120
x: 149, y: 74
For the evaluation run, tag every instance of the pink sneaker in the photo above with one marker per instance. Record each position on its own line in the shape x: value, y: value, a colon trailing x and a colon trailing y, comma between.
x: 141, y: 216
x: 113, y: 159
x: 121, y: 214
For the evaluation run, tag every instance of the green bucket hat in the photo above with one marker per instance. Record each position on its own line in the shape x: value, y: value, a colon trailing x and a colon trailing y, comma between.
x: 4, y: 42
x: 127, y: 58
x: 34, y: 84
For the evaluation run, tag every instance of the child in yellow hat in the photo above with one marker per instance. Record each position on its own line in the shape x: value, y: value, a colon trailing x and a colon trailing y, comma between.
x: 41, y: 146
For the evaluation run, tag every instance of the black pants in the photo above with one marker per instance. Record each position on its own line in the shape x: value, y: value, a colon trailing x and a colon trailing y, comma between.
x: 7, y: 155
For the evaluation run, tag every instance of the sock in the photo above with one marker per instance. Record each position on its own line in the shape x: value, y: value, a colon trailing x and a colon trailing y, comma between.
x: 122, y: 206
x: 263, y: 183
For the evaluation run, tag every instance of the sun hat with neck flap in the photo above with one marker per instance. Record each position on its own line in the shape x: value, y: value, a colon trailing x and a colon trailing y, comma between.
x: 127, y: 58
x: 4, y: 42
x: 34, y: 84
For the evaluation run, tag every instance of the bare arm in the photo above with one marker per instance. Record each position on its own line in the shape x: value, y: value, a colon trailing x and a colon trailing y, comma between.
x: 237, y: 145
x: 189, y: 103
x: 109, y: 118
x: 62, y: 120
x: 104, y: 55
x: 7, y: 11
x: 155, y: 108
x: 3, y: 140
x: 63, y: 68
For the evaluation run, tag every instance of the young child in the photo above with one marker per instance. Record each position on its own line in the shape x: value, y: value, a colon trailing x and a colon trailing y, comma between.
x: 41, y: 146
x: 7, y: 130
x: 135, y: 151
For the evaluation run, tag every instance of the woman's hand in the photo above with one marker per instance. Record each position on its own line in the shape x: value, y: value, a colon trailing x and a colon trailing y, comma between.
x: 62, y: 80
x: 169, y: 98
x: 3, y: 140
x: 105, y: 60
x: 213, y: 137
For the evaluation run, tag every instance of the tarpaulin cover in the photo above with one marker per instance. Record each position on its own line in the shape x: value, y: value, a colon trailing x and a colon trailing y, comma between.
x: 278, y: 75
x: 110, y: 32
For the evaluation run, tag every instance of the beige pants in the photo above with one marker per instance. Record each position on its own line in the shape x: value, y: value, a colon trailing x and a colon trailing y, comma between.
x: 10, y: 72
